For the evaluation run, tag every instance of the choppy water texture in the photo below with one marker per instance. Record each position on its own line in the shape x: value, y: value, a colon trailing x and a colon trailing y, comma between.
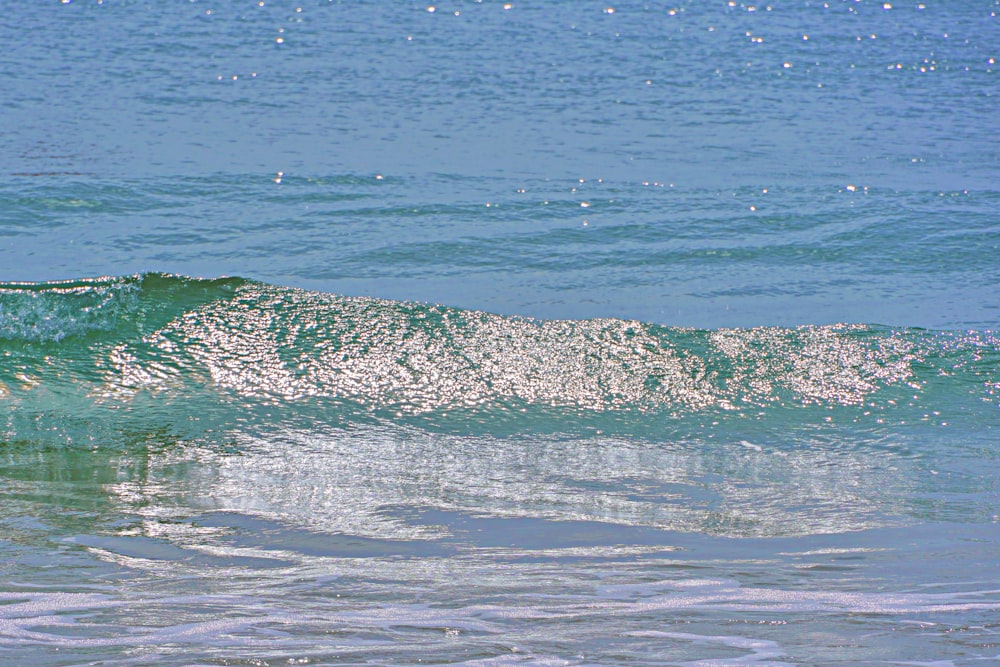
x: 564, y: 333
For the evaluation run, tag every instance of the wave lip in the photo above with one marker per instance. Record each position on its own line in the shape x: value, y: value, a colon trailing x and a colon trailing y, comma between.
x: 53, y: 311
x: 120, y: 306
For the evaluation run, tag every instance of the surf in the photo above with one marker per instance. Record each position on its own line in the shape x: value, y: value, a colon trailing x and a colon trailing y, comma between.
x: 157, y: 343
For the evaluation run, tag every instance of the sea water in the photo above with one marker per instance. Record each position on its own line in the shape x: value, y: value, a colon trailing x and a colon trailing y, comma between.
x: 499, y: 333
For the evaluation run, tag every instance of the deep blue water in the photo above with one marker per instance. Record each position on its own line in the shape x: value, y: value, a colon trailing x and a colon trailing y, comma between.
x: 499, y: 333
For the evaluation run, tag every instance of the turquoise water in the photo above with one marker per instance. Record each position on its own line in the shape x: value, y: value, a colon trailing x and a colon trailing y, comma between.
x: 504, y: 333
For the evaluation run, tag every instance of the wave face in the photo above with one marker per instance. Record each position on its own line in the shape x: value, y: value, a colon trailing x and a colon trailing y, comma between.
x: 183, y: 349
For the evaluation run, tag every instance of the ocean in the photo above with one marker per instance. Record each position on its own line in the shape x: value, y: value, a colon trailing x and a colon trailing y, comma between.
x: 500, y: 333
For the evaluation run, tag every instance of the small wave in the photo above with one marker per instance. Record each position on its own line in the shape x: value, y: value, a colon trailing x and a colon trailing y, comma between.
x: 161, y: 336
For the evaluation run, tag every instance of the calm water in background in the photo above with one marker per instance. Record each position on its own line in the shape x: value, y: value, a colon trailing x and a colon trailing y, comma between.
x: 312, y: 464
